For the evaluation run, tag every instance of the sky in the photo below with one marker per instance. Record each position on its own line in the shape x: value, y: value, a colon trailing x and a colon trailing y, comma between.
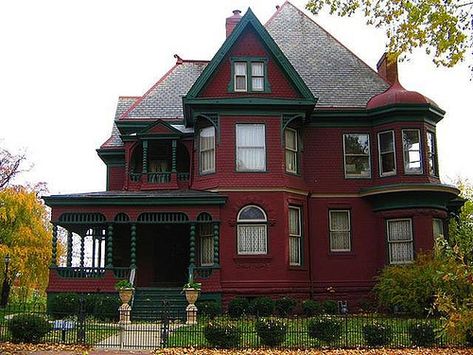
x: 63, y: 64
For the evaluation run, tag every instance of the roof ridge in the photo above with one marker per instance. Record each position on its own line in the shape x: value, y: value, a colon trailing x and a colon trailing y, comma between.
x: 128, y: 97
x: 278, y: 9
x: 329, y: 34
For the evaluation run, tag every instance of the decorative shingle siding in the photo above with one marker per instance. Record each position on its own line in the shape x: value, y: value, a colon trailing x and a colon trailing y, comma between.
x: 116, y: 177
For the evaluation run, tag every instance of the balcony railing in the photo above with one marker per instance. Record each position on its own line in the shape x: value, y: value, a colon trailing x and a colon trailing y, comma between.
x: 183, y: 176
x: 91, y: 272
x: 158, y: 178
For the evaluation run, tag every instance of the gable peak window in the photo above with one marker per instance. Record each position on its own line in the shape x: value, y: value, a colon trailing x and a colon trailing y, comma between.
x: 356, y: 148
x: 249, y: 74
x: 252, y: 231
x: 412, y: 151
x: 387, y: 153
x: 207, y: 150
x: 292, y: 149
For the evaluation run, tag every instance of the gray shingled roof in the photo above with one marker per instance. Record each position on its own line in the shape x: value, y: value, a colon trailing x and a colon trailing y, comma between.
x: 164, y: 100
x: 336, y: 76
x: 124, y: 103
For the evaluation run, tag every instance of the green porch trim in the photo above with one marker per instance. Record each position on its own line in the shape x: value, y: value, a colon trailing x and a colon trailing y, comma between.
x: 133, y: 246
x: 54, y: 245
x: 112, y: 157
x: 109, y: 256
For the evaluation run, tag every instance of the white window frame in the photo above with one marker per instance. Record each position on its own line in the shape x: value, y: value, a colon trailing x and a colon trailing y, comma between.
x: 238, y: 148
x: 290, y: 150
x: 406, y: 152
x: 258, y: 223
x: 432, y: 161
x: 202, y: 151
x: 207, y: 236
x: 388, y: 221
x: 345, y: 155
x: 296, y: 237
x: 257, y: 76
x: 235, y: 75
x: 380, y: 161
x: 347, y: 231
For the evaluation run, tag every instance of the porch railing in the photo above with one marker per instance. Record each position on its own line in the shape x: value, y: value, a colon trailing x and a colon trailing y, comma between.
x: 91, y: 272
x: 183, y: 176
x: 159, y: 178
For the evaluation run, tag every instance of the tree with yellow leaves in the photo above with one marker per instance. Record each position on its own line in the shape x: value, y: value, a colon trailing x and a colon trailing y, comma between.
x: 25, y: 236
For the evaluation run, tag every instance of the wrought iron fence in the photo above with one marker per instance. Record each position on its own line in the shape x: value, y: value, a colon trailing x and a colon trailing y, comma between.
x: 167, y: 328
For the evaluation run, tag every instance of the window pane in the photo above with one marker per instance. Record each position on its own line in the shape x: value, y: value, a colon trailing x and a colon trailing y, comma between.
x: 387, y: 163
x: 357, y: 155
x: 240, y: 68
x: 401, y: 252
x: 252, y: 239
x: 294, y: 220
x: 291, y: 161
x: 357, y: 144
x: 251, y: 149
x: 240, y: 83
x: 207, y: 149
x: 437, y: 226
x: 412, y: 154
x: 257, y: 69
x: 294, y: 250
x: 401, y: 246
x: 251, y: 213
x: 432, y: 151
x: 291, y: 139
x: 257, y: 84
x: 339, y: 241
x: 339, y: 230
x: 399, y: 230
x: 386, y: 142
x: 339, y: 221
x: 358, y: 166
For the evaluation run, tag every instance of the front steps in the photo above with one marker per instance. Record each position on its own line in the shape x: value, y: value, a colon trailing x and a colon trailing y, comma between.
x: 148, y: 304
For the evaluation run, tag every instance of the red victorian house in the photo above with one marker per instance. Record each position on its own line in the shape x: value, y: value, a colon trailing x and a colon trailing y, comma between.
x: 283, y: 166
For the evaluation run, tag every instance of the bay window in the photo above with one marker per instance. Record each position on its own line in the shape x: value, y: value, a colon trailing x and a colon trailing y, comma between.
x: 291, y: 148
x: 207, y: 150
x: 252, y: 231
x: 295, y: 236
x: 339, y: 230
x: 356, y: 147
x: 387, y: 153
x: 250, y: 147
x: 412, y: 151
x: 400, y: 241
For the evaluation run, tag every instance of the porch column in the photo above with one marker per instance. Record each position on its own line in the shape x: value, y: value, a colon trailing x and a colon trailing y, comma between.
x: 82, y: 249
x: 145, y: 157
x: 54, y: 246
x: 133, y: 246
x: 109, y: 258
x: 69, y: 249
x: 100, y: 239
x: 94, y: 240
x: 216, y: 240
x: 192, y: 246
x: 174, y: 153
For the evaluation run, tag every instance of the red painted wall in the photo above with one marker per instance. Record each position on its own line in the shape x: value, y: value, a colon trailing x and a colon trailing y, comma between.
x: 116, y: 177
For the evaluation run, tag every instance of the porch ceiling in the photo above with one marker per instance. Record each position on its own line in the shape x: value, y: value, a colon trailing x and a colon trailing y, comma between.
x: 137, y: 198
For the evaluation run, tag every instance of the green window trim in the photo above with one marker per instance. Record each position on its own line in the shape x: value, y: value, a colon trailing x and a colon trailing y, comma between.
x: 249, y: 77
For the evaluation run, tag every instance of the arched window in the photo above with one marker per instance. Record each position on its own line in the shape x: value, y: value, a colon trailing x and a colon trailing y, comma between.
x: 252, y: 231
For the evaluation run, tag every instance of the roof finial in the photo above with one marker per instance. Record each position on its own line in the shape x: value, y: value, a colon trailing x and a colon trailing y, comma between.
x: 179, y: 60
x: 277, y: 7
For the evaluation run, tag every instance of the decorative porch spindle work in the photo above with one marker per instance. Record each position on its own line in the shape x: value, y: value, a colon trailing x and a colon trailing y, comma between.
x: 192, y: 245
x: 216, y: 240
x: 163, y: 217
x: 145, y: 157
x: 174, y: 154
x: 54, y: 246
x: 69, y: 249
x: 110, y: 246
x: 82, y: 250
x: 133, y: 246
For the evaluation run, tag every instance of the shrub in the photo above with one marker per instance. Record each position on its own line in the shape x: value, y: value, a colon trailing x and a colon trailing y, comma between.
x: 469, y: 337
x: 28, y: 328
x: 327, y: 329
x: 330, y: 307
x: 262, y: 306
x: 105, y: 307
x: 238, y: 306
x: 377, y: 334
x: 222, y: 334
x: 311, y: 308
x: 100, y: 306
x: 210, y: 309
x: 272, y: 331
x: 62, y: 305
x: 285, y: 306
x: 422, y: 334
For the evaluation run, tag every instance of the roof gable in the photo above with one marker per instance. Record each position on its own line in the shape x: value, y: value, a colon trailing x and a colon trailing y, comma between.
x: 249, y: 19
x: 159, y: 127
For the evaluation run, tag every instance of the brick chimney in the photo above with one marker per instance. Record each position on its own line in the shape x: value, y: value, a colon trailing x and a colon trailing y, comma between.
x: 232, y: 21
x: 387, y: 67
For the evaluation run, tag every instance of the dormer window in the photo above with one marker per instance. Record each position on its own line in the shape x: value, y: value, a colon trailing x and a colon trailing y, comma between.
x: 249, y: 75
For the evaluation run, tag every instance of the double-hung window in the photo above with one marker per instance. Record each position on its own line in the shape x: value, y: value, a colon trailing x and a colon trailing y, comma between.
x: 340, y: 230
x: 240, y: 76
x: 250, y: 147
x: 356, y: 148
x: 249, y: 75
x: 207, y: 150
x: 252, y: 231
x: 432, y: 154
x: 437, y: 227
x: 387, y: 153
x: 291, y: 148
x: 412, y: 151
x: 257, y: 76
x: 400, y: 241
x: 295, y: 236
x: 206, y: 244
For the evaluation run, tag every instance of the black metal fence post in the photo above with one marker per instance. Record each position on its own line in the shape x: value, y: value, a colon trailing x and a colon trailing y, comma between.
x: 165, y: 323
x: 81, y: 321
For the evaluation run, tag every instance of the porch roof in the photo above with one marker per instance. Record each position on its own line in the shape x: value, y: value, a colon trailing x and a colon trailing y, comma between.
x: 141, y: 198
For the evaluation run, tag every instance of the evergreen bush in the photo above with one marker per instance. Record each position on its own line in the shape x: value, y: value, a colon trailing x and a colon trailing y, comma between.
x: 272, y: 331
x: 285, y: 306
x: 222, y: 334
x: 422, y: 334
x: 28, y: 328
x: 377, y: 334
x: 311, y: 308
x: 209, y: 309
x: 326, y: 329
x: 330, y: 307
x: 262, y: 306
x: 238, y: 306
x: 62, y: 305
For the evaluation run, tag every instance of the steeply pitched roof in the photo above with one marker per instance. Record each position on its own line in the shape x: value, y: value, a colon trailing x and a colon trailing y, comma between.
x: 124, y: 103
x: 336, y: 76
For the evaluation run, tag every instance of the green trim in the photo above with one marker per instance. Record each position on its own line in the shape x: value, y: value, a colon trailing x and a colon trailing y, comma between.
x: 249, y: 81
x: 112, y: 157
x: 407, y: 187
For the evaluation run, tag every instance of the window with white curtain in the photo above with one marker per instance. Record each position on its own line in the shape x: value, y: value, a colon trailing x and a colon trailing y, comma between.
x: 356, y: 148
x: 206, y: 244
x: 207, y: 149
x: 240, y: 78
x: 257, y: 76
x: 340, y: 230
x: 291, y: 147
x: 250, y: 147
x: 295, y: 236
x: 252, y: 231
x: 437, y: 227
x: 387, y: 153
x: 412, y: 151
x: 400, y: 241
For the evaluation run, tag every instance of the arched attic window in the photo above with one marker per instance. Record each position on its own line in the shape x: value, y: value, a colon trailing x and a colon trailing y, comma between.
x: 252, y: 231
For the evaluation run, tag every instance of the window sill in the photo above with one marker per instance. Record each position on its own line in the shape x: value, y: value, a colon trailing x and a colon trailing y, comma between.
x: 347, y: 254
x: 297, y: 268
x: 252, y: 258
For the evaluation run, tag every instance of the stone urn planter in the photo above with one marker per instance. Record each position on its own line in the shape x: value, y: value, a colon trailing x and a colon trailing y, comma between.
x: 192, y: 291
x: 125, y: 292
x: 192, y: 295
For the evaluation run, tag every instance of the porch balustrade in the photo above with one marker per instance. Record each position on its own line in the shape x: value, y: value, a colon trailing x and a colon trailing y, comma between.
x: 91, y: 272
x: 158, y: 177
